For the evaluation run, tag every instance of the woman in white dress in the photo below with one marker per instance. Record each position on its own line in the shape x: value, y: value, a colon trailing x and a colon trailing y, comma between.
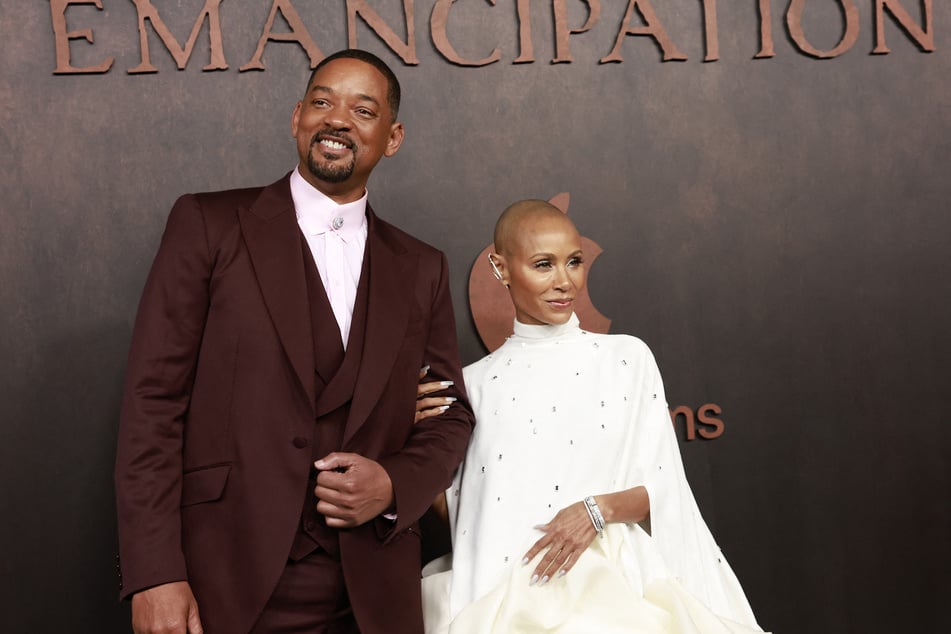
x: 571, y: 512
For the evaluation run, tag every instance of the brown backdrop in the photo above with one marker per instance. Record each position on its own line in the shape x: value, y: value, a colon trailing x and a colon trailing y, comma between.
x: 776, y: 229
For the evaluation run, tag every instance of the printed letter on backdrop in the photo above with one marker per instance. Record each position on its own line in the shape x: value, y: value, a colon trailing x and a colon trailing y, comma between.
x: 298, y: 34
x: 437, y: 25
x: 690, y: 427
x: 147, y: 11
x: 652, y: 27
x: 765, y: 30
x: 526, y: 50
x: 406, y: 50
x: 710, y: 30
x: 924, y: 38
x: 705, y: 418
x: 62, y: 35
x: 562, y: 32
x: 794, y: 22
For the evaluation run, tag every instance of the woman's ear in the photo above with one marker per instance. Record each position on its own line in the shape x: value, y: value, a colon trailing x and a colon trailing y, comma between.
x: 495, y: 268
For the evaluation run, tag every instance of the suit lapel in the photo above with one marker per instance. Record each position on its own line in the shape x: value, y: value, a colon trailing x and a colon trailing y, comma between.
x: 391, y: 286
x: 272, y: 235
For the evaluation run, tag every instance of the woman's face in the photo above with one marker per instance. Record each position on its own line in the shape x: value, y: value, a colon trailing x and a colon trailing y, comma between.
x: 544, y: 269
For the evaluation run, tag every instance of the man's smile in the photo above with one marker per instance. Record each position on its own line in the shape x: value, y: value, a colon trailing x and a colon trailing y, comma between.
x: 332, y: 145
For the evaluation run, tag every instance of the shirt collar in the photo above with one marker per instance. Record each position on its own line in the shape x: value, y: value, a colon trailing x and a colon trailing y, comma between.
x: 318, y: 213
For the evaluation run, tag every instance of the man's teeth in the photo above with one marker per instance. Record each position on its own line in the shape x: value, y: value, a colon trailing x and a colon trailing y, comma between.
x: 333, y: 145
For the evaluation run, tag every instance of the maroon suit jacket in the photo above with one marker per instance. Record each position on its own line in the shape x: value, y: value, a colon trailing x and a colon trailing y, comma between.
x: 218, y: 411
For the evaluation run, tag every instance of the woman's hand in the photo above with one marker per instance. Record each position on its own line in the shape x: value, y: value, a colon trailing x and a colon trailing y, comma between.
x: 567, y: 535
x: 570, y: 532
x: 427, y: 406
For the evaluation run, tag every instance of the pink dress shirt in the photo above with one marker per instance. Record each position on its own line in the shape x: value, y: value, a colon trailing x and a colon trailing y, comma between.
x: 337, y: 236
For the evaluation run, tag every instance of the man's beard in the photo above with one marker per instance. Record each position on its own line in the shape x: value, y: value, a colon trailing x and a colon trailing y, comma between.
x: 330, y: 172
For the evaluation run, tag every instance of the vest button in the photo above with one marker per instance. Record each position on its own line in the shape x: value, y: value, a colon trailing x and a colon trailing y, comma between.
x: 300, y: 442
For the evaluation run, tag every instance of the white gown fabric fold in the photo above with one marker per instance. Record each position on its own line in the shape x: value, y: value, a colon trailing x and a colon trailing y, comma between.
x: 561, y: 414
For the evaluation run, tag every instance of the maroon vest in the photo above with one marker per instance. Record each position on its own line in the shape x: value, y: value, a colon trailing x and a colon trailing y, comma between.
x: 335, y: 378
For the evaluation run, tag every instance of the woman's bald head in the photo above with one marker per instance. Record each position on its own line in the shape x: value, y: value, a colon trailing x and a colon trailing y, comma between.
x: 518, y: 218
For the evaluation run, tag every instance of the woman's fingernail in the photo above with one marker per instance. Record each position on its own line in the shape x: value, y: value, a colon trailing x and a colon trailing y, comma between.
x: 451, y: 399
x: 544, y: 580
x: 446, y: 383
x: 524, y: 560
x: 443, y: 408
x: 534, y: 580
x: 562, y: 572
x: 424, y: 369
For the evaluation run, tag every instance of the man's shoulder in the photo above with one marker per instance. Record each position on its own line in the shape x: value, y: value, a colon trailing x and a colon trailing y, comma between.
x: 223, y: 205
x: 237, y: 194
x: 229, y: 198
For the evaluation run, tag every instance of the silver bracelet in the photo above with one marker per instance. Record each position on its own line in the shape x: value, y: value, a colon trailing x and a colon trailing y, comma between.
x: 594, y: 513
x: 590, y: 516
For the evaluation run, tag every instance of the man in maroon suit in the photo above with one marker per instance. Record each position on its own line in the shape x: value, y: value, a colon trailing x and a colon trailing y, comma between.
x: 269, y: 473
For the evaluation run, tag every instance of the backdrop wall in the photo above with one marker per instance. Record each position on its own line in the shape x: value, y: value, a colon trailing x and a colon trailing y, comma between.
x: 776, y: 229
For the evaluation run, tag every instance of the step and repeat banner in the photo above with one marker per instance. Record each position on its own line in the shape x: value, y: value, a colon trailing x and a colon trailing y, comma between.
x: 763, y: 187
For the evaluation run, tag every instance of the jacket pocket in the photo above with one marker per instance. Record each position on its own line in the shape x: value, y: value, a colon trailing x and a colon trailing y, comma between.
x: 205, y: 484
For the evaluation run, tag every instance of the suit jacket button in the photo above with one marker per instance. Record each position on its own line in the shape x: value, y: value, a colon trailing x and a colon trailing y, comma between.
x: 300, y: 442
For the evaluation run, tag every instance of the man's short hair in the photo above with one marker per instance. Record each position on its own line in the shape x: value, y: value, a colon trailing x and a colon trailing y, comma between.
x: 393, y: 84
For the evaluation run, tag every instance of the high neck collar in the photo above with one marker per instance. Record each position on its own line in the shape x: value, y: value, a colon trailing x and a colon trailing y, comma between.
x: 546, y: 331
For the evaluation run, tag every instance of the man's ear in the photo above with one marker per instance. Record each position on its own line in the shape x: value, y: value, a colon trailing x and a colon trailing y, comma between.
x: 395, y: 140
x: 295, y: 118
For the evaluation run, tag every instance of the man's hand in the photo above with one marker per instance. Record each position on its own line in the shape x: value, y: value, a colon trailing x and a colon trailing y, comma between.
x: 351, y: 490
x: 166, y: 609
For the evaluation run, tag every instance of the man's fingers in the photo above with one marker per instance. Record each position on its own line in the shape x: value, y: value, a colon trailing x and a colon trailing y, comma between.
x: 194, y: 622
x: 357, y: 490
x: 333, y: 486
x: 337, y: 460
x: 169, y: 607
x: 327, y: 494
x: 335, y: 514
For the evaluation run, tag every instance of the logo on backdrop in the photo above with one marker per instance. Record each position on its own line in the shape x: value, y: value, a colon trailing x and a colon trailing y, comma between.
x: 494, y: 314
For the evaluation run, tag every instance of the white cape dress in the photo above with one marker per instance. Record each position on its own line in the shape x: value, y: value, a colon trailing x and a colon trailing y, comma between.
x: 561, y: 414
